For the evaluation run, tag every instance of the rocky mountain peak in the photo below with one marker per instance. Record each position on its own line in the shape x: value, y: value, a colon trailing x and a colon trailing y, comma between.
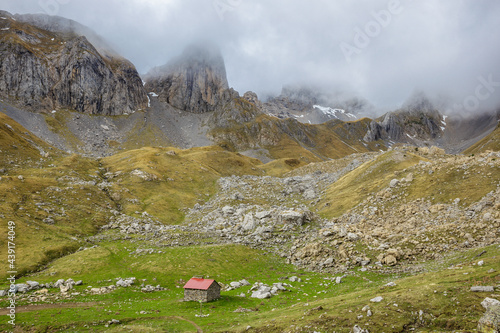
x: 46, y: 64
x: 195, y: 81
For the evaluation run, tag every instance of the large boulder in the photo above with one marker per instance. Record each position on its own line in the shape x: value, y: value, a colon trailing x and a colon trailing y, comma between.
x: 262, y: 293
x: 489, y: 302
x: 490, y: 322
x: 295, y: 218
x: 249, y: 222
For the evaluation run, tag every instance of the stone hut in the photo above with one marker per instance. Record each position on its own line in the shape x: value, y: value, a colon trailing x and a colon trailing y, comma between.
x: 200, y: 289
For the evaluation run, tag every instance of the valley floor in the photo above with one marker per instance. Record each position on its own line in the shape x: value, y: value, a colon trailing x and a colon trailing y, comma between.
x: 397, y: 241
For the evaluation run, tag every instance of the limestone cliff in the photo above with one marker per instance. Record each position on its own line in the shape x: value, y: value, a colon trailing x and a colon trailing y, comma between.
x: 418, y: 120
x: 194, y: 82
x: 58, y: 68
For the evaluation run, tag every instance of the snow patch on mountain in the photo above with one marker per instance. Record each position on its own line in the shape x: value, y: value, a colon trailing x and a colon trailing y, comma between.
x: 334, y: 112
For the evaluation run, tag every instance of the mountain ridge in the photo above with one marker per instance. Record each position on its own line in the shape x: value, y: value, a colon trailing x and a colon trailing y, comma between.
x: 70, y: 73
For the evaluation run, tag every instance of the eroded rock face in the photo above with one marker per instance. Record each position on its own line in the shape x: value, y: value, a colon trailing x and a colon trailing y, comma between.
x: 45, y: 70
x: 194, y: 82
x: 417, y: 120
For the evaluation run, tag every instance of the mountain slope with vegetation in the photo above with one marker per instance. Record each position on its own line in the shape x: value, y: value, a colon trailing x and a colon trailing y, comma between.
x: 490, y: 142
x: 162, y: 215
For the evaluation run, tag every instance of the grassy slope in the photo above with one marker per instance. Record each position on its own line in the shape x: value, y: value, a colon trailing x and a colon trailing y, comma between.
x: 30, y: 179
x: 444, y: 183
x: 371, y: 177
x: 450, y: 181
x: 57, y: 204
x: 42, y: 193
x: 334, y: 139
x: 56, y: 122
x: 143, y: 136
x: 241, y: 127
x: 490, y: 142
x: 338, y: 139
x: 17, y: 144
x: 178, y: 179
x: 442, y: 293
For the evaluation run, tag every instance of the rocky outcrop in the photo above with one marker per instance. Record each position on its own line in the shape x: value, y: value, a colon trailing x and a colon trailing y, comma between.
x: 490, y: 322
x: 45, y: 70
x: 194, y: 82
x: 418, y: 121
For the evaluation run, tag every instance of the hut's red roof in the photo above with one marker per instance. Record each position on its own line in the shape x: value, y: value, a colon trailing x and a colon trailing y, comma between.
x: 196, y: 283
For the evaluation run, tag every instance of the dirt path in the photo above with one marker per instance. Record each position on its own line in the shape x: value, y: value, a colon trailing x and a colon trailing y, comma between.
x: 37, y: 307
x: 198, y: 328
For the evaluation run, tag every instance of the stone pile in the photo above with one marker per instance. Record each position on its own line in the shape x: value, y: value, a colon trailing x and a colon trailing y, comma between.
x: 63, y: 285
x: 125, y: 282
x: 237, y: 284
x: 262, y: 291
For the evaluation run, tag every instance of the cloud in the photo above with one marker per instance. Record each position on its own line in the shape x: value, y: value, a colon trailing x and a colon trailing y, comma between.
x: 442, y: 47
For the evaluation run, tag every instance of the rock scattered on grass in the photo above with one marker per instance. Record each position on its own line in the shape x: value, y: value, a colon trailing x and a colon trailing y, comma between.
x: 357, y: 329
x: 125, y: 283
x: 377, y: 299
x: 262, y: 291
x: 489, y: 302
x: 482, y: 288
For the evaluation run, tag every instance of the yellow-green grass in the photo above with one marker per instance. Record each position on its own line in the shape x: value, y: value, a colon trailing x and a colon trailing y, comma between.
x: 50, y: 213
x: 288, y: 138
x: 57, y: 123
x: 175, y: 179
x: 362, y: 182
x: 111, y: 259
x: 265, y: 132
x: 279, y: 167
x: 178, y: 180
x: 450, y: 181
x: 17, y: 144
x: 490, y: 142
x: 287, y: 148
x: 336, y: 139
x: 144, y: 135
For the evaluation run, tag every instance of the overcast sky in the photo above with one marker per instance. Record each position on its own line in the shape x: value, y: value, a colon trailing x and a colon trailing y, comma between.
x: 382, y: 50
